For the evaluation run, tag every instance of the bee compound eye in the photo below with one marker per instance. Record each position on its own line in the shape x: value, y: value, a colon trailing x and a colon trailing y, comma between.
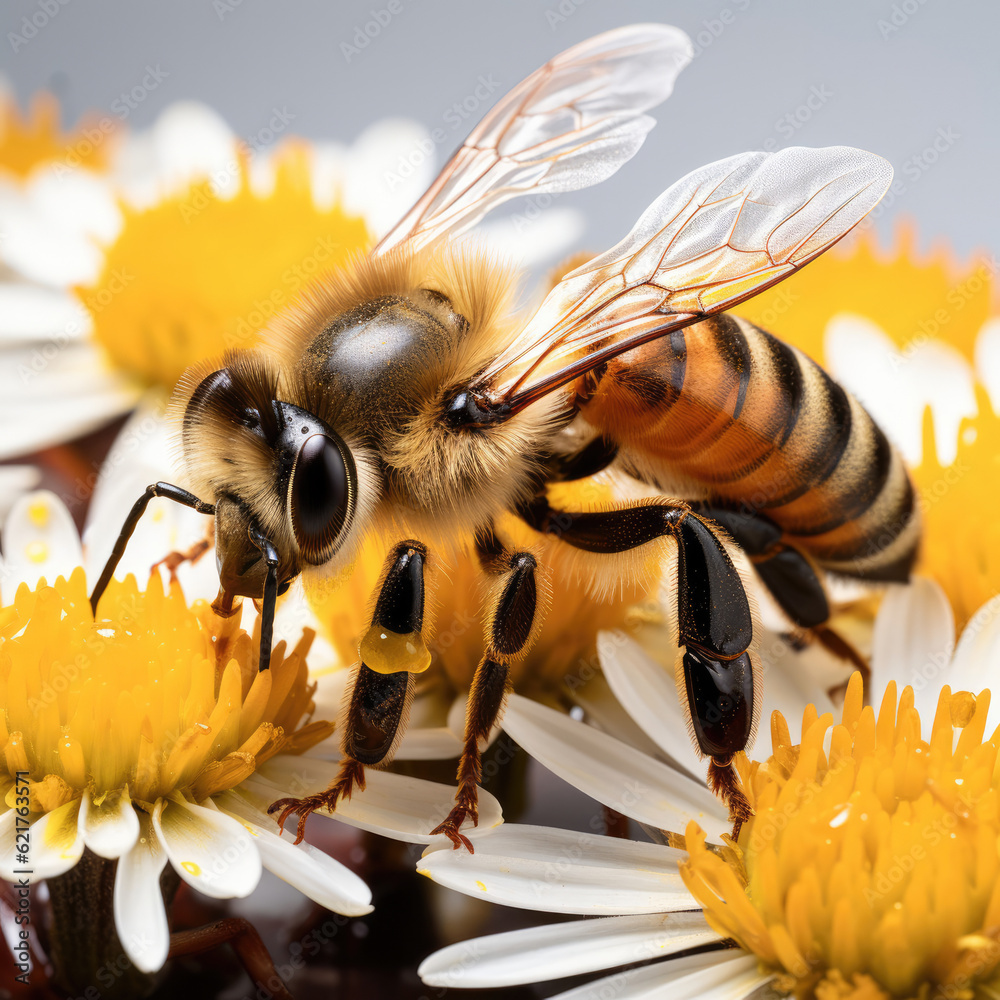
x: 322, y: 495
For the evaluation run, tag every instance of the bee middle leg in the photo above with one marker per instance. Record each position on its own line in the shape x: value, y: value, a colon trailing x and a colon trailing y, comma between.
x: 715, y: 623
x: 392, y: 653
x: 509, y: 631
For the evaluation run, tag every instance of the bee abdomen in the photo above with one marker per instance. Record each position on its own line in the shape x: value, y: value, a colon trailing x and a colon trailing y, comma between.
x: 725, y: 410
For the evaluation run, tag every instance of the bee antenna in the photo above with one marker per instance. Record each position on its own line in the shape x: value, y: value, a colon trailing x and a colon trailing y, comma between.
x: 167, y: 490
x: 270, y: 554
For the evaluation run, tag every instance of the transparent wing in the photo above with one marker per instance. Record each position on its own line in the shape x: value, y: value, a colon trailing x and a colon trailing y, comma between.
x: 718, y: 236
x: 570, y: 124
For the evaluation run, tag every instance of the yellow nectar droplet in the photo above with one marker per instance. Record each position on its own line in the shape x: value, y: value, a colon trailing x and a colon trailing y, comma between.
x: 963, y: 707
x: 191, y: 868
x: 37, y: 551
x: 38, y: 513
x: 391, y: 653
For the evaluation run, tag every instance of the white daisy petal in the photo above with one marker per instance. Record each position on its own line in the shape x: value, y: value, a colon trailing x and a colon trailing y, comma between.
x: 56, y: 843
x: 604, y: 711
x: 9, y: 864
x: 863, y: 358
x: 111, y: 828
x: 212, y: 852
x: 537, y: 954
x: 53, y: 399
x: 394, y: 805
x: 433, y: 743
x: 977, y: 659
x: 140, y: 917
x: 561, y: 871
x: 534, y: 235
x: 320, y: 877
x: 713, y: 976
x: 36, y: 313
x: 613, y: 772
x: 913, y: 643
x: 649, y: 693
x: 988, y: 359
x: 15, y: 480
x: 39, y: 539
x: 387, y: 168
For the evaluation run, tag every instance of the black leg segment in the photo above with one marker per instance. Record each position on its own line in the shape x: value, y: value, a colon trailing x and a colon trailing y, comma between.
x: 167, y: 490
x: 785, y: 571
x: 715, y: 623
x: 509, y: 628
x: 378, y: 704
x: 270, y: 554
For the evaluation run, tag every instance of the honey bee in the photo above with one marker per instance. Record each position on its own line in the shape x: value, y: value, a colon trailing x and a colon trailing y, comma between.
x: 404, y: 398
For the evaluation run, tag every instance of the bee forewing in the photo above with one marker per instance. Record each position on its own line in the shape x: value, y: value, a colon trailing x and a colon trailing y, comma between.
x: 570, y: 124
x: 718, y: 236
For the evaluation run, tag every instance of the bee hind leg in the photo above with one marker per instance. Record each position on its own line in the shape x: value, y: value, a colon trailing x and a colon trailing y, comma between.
x: 379, y: 697
x: 715, y: 623
x: 509, y: 631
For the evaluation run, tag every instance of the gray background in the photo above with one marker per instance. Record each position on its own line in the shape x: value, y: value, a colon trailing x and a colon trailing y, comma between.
x: 894, y: 75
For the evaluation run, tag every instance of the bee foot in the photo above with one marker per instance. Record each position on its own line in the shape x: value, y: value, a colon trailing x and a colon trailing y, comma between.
x: 451, y: 827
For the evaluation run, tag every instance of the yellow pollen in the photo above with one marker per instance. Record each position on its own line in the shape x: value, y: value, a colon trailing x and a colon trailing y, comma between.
x: 39, y: 513
x: 37, y: 551
x: 155, y: 697
x: 191, y: 867
x: 871, y: 866
x: 198, y: 273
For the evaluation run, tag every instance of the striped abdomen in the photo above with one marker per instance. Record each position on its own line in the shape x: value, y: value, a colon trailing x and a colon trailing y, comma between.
x: 724, y: 411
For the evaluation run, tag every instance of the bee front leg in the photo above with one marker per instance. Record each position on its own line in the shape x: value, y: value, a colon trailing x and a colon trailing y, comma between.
x: 509, y: 631
x: 392, y: 653
x: 715, y: 623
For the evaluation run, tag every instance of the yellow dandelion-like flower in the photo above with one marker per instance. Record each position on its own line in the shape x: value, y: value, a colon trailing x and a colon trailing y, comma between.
x: 869, y: 870
x: 199, y: 273
x: 147, y: 736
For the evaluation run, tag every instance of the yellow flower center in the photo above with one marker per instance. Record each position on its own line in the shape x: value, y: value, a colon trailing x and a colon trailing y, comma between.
x: 199, y: 273
x: 872, y: 870
x: 153, y: 696
x: 35, y: 139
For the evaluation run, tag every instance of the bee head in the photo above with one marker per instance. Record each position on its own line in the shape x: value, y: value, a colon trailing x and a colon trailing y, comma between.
x: 271, y: 467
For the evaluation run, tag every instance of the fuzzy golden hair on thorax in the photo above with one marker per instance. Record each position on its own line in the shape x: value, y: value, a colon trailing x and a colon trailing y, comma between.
x: 468, y: 299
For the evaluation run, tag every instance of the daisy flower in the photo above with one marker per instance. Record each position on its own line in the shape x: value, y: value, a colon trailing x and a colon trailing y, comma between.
x: 162, y: 220
x: 869, y: 870
x: 181, y: 241
x: 145, y: 737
